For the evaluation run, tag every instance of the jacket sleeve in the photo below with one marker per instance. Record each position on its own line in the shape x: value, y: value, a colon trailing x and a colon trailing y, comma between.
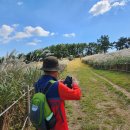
x: 67, y: 93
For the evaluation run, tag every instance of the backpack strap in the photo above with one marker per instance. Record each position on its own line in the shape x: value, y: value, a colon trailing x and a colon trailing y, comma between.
x: 49, y: 84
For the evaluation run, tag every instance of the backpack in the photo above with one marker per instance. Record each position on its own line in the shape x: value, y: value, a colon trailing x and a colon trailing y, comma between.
x: 41, y: 115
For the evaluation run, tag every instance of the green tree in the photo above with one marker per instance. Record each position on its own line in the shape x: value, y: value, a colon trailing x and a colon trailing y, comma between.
x: 104, y: 43
x: 128, y: 42
x: 92, y: 48
x: 121, y: 43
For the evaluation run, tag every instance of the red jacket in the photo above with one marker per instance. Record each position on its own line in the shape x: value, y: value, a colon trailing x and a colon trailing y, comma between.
x: 65, y: 93
x: 56, y: 95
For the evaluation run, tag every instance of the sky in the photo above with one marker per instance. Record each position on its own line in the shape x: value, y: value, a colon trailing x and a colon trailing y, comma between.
x: 27, y: 25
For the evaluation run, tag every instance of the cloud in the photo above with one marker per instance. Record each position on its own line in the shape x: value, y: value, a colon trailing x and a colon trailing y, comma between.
x: 19, y: 3
x: 69, y: 35
x: 9, y: 33
x: 122, y: 3
x: 34, y: 42
x: 21, y: 35
x: 5, y: 31
x: 104, y: 6
x: 52, y: 34
x: 100, y: 8
x: 30, y: 31
x: 38, y: 31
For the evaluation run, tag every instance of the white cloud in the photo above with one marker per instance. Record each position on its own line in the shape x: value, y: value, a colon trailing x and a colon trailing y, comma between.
x: 52, y: 34
x: 122, y: 3
x: 5, y: 31
x: 34, y: 42
x: 104, y: 6
x: 41, y: 32
x: 38, y: 31
x: 9, y: 33
x: 21, y: 35
x: 100, y: 8
x: 30, y: 31
x: 69, y: 35
x: 19, y: 3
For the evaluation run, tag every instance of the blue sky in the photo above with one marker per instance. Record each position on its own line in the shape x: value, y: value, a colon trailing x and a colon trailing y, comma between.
x: 26, y: 25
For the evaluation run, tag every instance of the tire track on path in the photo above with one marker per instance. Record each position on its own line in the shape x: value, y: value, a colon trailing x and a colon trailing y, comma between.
x: 114, y: 85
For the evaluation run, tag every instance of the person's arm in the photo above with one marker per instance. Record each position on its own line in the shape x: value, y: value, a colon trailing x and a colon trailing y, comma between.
x: 69, y: 94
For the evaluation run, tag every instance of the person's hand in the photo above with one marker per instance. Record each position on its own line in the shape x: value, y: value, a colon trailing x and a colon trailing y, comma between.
x: 68, y: 81
x: 75, y: 80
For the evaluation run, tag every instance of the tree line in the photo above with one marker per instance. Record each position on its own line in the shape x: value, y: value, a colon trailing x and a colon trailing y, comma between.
x: 102, y: 45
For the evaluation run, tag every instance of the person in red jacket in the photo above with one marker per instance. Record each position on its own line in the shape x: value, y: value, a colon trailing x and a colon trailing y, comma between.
x: 58, y: 92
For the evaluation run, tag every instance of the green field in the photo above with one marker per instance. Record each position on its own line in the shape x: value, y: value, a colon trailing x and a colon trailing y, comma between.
x: 101, y: 106
x: 120, y: 78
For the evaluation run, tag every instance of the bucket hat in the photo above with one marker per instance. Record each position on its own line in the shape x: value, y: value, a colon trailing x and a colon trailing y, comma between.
x: 50, y: 63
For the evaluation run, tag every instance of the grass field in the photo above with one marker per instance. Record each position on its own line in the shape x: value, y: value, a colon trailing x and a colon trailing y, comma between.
x: 100, y: 107
x: 120, y: 78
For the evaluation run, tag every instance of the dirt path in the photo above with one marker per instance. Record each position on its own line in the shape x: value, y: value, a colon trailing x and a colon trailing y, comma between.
x: 114, y: 85
x: 76, y: 118
x: 75, y: 109
x: 99, y: 108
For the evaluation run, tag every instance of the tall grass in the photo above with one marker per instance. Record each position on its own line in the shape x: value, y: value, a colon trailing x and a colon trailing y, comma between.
x: 15, y: 76
x: 118, y: 57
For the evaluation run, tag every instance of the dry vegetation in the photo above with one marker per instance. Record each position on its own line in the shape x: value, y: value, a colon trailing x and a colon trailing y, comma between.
x: 15, y: 76
x: 118, y: 57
